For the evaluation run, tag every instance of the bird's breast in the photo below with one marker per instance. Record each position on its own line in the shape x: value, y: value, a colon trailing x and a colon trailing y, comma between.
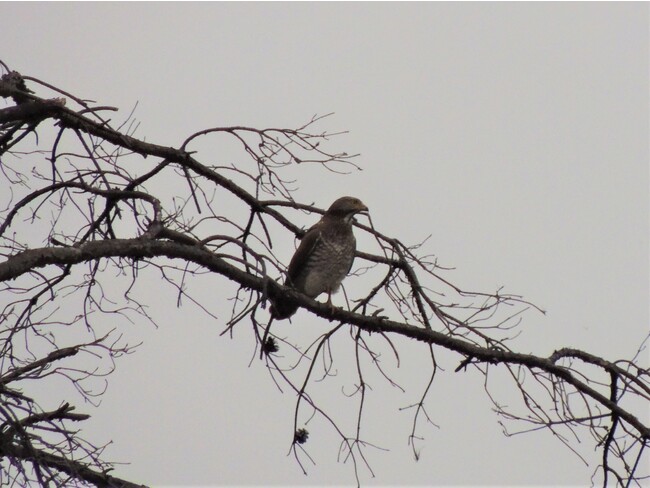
x: 328, y: 265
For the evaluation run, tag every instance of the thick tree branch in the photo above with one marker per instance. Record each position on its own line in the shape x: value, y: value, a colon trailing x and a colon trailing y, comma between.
x: 137, y: 248
x: 70, y: 467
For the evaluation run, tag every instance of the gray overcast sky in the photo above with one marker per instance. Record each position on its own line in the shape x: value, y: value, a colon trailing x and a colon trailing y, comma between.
x: 515, y: 134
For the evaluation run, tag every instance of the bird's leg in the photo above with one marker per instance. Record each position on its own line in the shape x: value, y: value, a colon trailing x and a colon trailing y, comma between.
x: 329, y: 302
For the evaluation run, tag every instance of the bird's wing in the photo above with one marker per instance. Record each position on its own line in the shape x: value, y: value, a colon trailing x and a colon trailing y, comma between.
x: 354, y: 248
x: 305, y: 249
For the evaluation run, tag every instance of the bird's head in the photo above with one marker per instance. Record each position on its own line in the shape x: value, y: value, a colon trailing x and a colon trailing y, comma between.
x: 346, y: 208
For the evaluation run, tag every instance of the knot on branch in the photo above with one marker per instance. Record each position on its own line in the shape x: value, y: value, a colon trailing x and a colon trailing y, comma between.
x: 154, y: 230
x: 15, y: 83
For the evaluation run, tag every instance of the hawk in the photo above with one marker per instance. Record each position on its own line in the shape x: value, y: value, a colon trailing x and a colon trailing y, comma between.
x: 324, y: 256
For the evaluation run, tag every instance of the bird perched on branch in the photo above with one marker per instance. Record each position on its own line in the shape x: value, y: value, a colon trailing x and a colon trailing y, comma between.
x: 324, y: 256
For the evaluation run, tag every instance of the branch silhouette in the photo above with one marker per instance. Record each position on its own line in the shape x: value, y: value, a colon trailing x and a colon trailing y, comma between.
x: 103, y: 211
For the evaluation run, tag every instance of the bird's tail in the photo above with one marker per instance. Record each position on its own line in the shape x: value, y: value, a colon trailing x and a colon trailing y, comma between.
x: 283, y: 309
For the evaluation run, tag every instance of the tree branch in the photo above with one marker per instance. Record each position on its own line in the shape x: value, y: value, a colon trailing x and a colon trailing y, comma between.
x: 65, y: 465
x: 136, y: 248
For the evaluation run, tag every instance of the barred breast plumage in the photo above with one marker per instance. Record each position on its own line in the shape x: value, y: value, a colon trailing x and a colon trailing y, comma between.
x: 328, y: 264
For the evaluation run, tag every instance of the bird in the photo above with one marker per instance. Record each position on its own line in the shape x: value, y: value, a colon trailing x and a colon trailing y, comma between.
x: 323, y: 258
